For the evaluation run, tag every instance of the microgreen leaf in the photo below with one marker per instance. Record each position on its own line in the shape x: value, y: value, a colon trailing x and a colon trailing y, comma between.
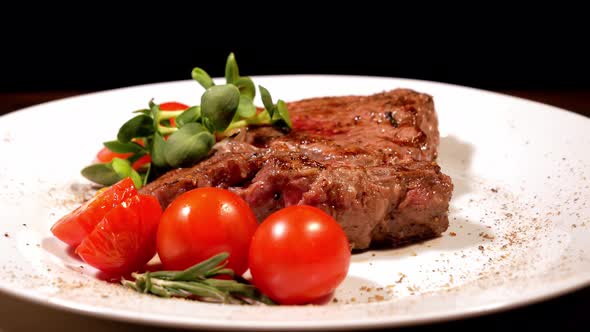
x: 279, y: 115
x: 223, y: 109
x: 206, y: 122
x: 103, y: 174
x: 119, y: 147
x: 266, y: 100
x: 202, y: 77
x: 158, y: 151
x: 246, y: 107
x: 191, y: 114
x: 218, y: 105
x: 281, y: 118
x: 139, y: 126
x: 188, y: 145
x: 231, y: 69
x: 123, y: 168
x: 144, y: 111
x: 246, y: 86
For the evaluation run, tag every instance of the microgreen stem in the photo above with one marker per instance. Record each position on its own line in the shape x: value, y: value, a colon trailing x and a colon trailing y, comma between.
x: 237, y: 124
x: 259, y: 119
x: 166, y: 130
x: 165, y: 115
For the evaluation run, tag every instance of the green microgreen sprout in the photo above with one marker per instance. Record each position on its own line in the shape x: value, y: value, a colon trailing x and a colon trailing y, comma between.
x: 183, y: 138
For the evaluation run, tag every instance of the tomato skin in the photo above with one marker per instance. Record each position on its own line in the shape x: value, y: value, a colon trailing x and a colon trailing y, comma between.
x: 105, y: 155
x: 146, y: 159
x: 203, y: 222
x: 173, y: 106
x: 75, y: 226
x: 298, y: 255
x: 125, y: 240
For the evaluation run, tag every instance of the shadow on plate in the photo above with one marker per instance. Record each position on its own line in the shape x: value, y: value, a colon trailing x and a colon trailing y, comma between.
x: 462, y: 234
x: 61, y: 251
x: 455, y: 157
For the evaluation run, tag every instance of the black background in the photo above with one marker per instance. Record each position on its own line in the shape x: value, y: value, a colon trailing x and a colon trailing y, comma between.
x: 93, y: 51
x: 490, y: 47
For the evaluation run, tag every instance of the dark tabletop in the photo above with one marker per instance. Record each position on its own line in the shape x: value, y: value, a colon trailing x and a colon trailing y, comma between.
x: 565, y: 313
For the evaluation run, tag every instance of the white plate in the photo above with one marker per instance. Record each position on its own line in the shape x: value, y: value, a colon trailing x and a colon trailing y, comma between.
x: 520, y: 217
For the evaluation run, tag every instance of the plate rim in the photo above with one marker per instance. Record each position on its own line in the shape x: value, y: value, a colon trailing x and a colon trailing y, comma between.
x: 409, y: 80
x: 161, y: 320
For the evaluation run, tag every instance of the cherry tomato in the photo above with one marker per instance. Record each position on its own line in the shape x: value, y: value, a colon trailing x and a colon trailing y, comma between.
x: 204, y: 222
x: 75, y: 226
x: 125, y: 240
x: 173, y: 106
x: 298, y: 255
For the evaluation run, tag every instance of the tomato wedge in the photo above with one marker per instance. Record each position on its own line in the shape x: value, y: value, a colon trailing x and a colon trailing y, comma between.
x: 75, y: 226
x: 125, y: 240
x: 146, y: 159
x: 173, y: 106
x: 105, y: 155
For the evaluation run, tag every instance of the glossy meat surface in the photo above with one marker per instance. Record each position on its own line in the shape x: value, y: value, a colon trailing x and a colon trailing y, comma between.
x: 369, y: 161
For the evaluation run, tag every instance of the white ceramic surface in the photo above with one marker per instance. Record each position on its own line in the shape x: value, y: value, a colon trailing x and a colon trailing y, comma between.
x: 520, y: 216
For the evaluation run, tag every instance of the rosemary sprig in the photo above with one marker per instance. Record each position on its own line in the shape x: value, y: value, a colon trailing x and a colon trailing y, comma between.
x: 197, y: 282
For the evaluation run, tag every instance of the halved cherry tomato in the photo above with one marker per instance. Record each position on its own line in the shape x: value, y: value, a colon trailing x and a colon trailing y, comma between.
x: 173, y: 106
x: 298, y: 255
x: 204, y: 222
x: 75, y: 226
x: 125, y: 240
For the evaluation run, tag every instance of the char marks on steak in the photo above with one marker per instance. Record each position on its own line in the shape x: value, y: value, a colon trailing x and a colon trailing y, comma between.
x: 367, y: 161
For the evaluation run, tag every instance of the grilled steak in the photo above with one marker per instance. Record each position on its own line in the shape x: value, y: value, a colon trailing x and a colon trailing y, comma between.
x: 367, y: 161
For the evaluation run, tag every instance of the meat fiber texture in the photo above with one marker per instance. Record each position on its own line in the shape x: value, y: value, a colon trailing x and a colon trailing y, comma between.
x: 368, y: 161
